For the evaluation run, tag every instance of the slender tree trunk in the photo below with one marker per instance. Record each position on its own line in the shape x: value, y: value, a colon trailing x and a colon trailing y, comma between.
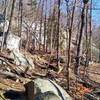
x: 90, y: 36
x: 20, y: 17
x: 58, y: 31
x: 27, y: 43
x: 87, y: 47
x: 52, y: 25
x: 51, y: 29
x: 41, y: 20
x: 45, y: 26
x: 80, y: 40
x: 99, y: 52
x: 67, y: 26
x: 2, y: 44
x: 86, y: 32
x: 69, y: 43
x: 78, y: 26
x: 36, y: 17
x: 9, y: 26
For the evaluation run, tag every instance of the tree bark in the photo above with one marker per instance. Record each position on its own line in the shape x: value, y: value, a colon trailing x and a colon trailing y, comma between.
x: 90, y: 36
x: 58, y: 33
x: 69, y: 42
x: 80, y: 40
x: 9, y: 26
x: 20, y: 17
x: 86, y: 32
x: 41, y: 21
x: 45, y: 26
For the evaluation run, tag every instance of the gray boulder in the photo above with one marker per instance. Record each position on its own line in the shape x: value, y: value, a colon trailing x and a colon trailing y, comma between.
x: 46, y: 89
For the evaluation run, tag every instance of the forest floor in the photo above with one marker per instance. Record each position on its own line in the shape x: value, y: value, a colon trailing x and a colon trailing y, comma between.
x: 12, y: 84
x: 94, y: 72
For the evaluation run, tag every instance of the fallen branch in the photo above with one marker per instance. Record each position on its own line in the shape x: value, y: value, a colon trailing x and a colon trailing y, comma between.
x: 40, y: 65
x: 6, y: 57
x: 39, y: 74
x: 93, y: 72
x: 12, y: 66
x: 9, y: 74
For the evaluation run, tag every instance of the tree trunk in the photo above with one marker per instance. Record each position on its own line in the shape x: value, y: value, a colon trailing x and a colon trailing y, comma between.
x: 90, y: 37
x: 36, y: 17
x: 52, y: 25
x: 20, y: 17
x: 99, y: 52
x: 41, y: 20
x: 86, y: 32
x: 9, y: 26
x: 58, y: 32
x: 45, y: 26
x: 69, y: 43
x: 80, y: 40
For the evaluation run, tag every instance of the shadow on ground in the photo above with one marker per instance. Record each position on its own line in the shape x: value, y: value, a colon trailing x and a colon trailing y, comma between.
x: 14, y: 95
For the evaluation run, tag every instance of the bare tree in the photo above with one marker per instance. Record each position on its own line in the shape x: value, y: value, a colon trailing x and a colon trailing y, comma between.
x: 20, y: 17
x: 9, y: 26
x: 87, y: 47
x: 90, y: 36
x: 41, y: 22
x: 58, y: 26
x: 69, y: 41
x: 45, y: 26
x: 80, y: 37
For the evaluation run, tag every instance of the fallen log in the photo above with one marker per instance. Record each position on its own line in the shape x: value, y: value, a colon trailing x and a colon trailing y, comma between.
x: 15, y: 68
x: 12, y: 66
x: 94, y: 95
x: 46, y: 66
x: 93, y: 72
x: 13, y: 76
x: 39, y: 74
x: 40, y: 65
x: 88, y: 83
x: 6, y: 57
x: 9, y: 74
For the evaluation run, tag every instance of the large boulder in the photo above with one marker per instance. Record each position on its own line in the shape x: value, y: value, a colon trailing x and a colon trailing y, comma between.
x: 22, y: 61
x: 46, y: 89
x: 13, y: 42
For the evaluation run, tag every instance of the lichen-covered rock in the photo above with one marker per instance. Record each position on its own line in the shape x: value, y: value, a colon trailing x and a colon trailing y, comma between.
x: 22, y: 61
x: 13, y: 42
x: 46, y: 89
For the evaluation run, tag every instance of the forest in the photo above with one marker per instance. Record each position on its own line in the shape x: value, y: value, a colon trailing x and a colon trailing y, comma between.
x: 49, y: 50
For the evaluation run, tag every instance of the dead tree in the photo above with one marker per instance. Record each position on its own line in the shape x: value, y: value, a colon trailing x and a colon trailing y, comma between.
x: 80, y: 37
